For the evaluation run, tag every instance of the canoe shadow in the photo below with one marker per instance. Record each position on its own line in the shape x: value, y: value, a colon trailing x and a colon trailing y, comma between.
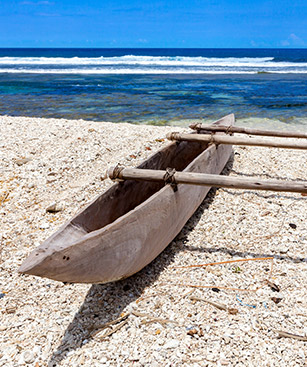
x: 267, y: 176
x: 105, y: 302
x: 280, y: 194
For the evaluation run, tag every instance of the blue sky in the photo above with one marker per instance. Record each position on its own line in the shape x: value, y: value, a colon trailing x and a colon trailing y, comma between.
x: 135, y: 23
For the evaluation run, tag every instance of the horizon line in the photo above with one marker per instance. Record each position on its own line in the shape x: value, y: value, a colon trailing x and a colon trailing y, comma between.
x: 164, y: 48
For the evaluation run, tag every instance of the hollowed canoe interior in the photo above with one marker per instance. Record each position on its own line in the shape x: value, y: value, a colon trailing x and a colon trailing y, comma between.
x: 125, y: 196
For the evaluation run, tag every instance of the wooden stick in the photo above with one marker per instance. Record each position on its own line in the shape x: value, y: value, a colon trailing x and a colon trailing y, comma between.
x: 213, y: 286
x: 203, y: 179
x: 285, y: 334
x: 107, y: 324
x: 244, y: 130
x: 220, y: 306
x: 223, y: 262
x: 113, y: 330
x: 237, y: 140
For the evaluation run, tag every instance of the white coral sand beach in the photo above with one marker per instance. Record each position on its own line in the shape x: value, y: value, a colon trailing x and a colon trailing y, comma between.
x: 150, y: 319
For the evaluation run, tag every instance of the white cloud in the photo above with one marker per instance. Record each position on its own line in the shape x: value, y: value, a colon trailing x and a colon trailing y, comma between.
x: 36, y: 3
x: 293, y: 40
x: 285, y: 43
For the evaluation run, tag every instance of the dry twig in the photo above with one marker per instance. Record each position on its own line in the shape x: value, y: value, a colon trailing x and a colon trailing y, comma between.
x: 214, y: 286
x: 289, y: 335
x: 113, y: 330
x: 222, y: 263
x: 99, y: 328
x: 5, y: 196
x: 152, y: 318
x: 220, y: 306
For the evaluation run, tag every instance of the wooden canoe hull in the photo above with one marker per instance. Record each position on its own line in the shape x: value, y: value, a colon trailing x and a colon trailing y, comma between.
x: 78, y: 254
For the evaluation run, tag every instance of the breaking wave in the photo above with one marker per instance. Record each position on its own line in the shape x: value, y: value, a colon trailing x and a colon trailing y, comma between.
x: 132, y: 64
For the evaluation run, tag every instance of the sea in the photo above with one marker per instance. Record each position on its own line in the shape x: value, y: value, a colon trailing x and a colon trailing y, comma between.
x: 262, y: 87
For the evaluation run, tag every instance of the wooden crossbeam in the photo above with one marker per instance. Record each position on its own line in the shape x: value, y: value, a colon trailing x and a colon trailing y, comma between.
x: 245, y: 130
x: 238, y: 140
x: 193, y: 178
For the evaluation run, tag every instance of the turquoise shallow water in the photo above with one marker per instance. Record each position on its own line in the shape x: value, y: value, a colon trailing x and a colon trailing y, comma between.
x: 156, y: 86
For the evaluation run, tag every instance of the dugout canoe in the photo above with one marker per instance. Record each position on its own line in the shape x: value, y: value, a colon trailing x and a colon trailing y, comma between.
x: 130, y: 224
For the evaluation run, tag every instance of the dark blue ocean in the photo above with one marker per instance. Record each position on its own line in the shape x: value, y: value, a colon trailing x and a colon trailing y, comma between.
x: 156, y: 86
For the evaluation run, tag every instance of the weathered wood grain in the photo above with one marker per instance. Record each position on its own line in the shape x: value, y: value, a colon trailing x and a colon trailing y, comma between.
x: 249, y: 131
x: 238, y: 140
x: 130, y: 224
x: 202, y: 179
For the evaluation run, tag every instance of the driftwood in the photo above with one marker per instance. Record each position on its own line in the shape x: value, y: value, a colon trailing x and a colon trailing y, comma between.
x: 244, y: 130
x: 202, y: 179
x: 238, y: 140
x: 285, y: 334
